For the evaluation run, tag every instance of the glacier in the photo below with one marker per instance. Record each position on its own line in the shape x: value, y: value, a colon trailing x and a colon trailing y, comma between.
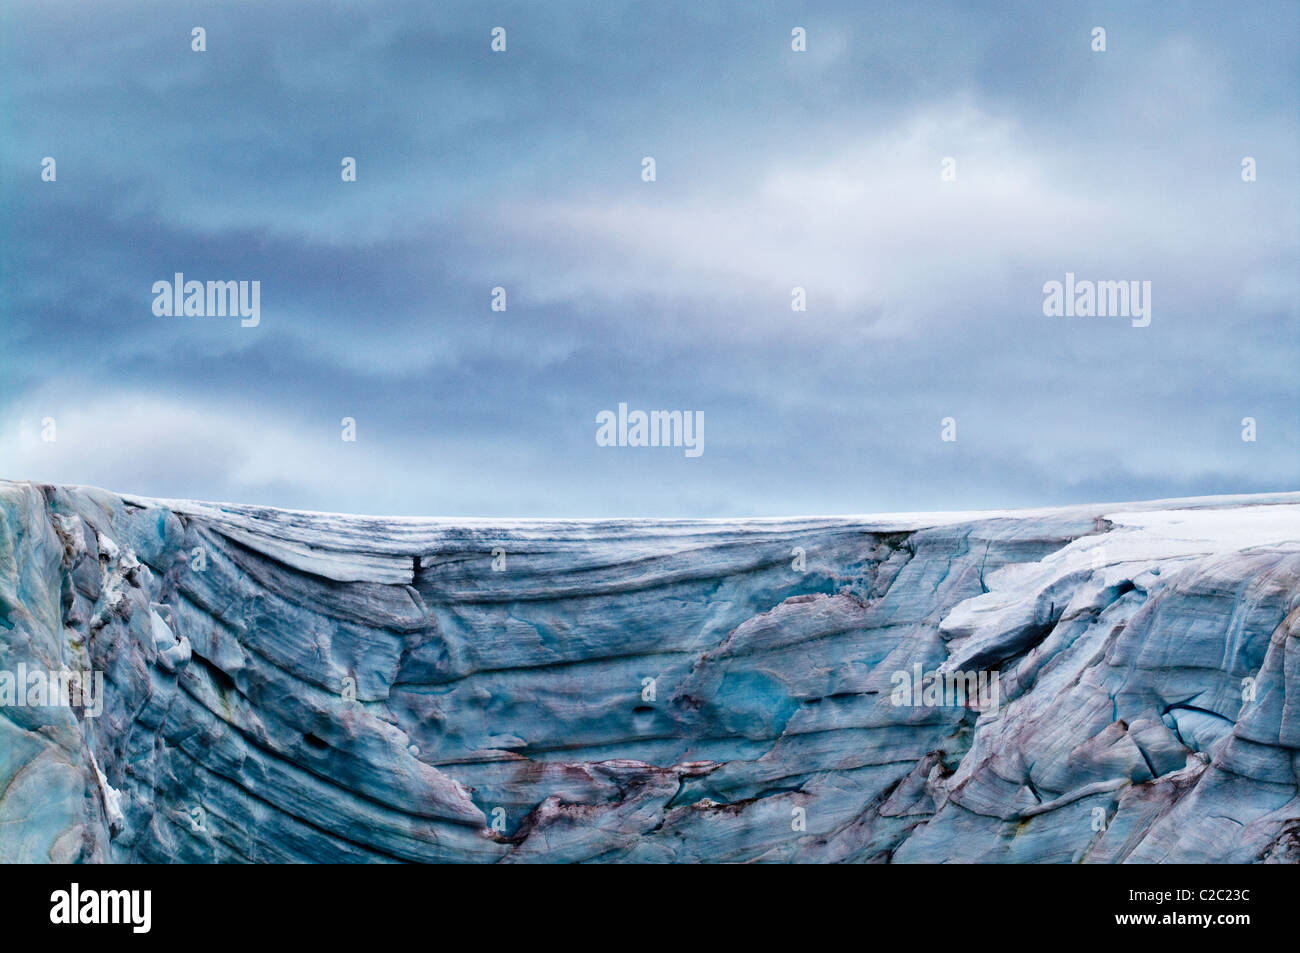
x: 284, y: 686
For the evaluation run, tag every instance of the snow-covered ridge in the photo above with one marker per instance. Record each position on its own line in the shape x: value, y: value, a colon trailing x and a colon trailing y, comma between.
x: 284, y: 685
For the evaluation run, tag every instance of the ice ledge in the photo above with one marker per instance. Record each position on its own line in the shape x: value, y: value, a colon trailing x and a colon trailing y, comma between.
x: 301, y: 686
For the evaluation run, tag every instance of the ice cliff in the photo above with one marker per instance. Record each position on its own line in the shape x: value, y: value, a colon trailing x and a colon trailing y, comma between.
x: 287, y: 686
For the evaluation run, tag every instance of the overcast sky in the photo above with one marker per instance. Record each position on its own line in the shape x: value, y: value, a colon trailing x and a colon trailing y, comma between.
x: 775, y: 169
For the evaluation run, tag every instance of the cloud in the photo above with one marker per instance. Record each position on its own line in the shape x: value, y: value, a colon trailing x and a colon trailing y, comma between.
x: 871, y: 230
x: 523, y: 170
